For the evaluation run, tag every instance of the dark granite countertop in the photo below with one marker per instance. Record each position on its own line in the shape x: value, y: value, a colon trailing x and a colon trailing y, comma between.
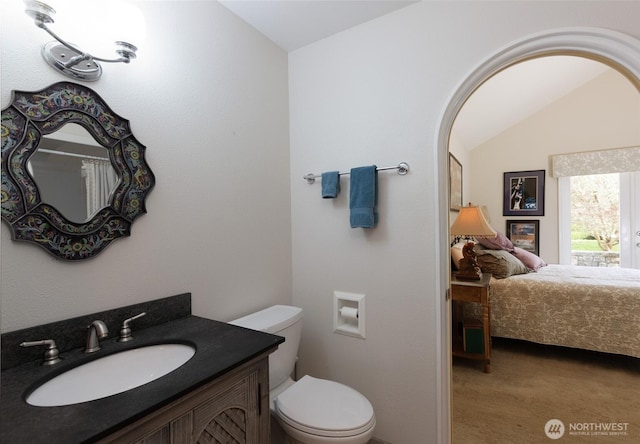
x: 220, y: 348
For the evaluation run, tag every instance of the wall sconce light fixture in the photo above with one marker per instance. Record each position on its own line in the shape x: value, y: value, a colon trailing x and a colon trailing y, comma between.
x: 68, y: 58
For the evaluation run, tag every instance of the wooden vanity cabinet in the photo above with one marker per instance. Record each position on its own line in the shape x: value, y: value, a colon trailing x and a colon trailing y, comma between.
x: 233, y: 408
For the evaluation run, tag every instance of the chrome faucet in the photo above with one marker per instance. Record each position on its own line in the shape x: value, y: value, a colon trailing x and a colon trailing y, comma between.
x: 95, y: 331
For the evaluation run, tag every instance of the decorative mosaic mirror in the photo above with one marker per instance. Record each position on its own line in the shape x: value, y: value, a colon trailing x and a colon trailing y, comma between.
x: 28, y: 127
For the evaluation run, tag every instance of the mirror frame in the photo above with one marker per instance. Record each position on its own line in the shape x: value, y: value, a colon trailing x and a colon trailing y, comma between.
x: 32, y: 115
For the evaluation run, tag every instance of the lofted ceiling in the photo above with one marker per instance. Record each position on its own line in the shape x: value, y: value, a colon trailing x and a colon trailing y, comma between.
x: 507, y: 98
x: 518, y: 92
x: 292, y: 24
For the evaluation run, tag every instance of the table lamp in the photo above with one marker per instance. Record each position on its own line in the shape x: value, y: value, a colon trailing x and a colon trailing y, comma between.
x: 470, y: 223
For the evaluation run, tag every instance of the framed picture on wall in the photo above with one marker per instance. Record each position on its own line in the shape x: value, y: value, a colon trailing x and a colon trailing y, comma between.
x: 525, y: 234
x: 523, y: 193
x: 455, y: 184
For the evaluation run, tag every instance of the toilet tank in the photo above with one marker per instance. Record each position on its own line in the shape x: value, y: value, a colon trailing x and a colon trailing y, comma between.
x: 281, y: 320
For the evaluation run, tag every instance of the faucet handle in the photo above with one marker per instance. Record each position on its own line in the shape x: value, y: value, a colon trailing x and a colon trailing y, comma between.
x: 125, y: 331
x: 51, y: 355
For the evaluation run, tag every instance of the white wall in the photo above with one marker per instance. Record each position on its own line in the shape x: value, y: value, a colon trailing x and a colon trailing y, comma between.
x: 602, y: 114
x: 208, y: 97
x: 215, y: 126
x: 376, y: 94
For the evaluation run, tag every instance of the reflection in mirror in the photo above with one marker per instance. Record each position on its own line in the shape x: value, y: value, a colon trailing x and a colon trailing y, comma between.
x: 74, y: 173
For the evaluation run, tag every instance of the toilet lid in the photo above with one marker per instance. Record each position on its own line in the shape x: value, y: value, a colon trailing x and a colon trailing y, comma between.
x: 313, y: 404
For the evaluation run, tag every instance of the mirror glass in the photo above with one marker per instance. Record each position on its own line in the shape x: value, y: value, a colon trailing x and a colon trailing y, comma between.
x: 74, y: 177
x: 73, y: 173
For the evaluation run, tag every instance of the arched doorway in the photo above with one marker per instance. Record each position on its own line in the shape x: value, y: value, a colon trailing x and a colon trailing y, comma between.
x: 614, y: 49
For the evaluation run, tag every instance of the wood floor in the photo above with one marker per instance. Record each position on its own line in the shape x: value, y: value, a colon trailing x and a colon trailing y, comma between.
x: 596, y: 396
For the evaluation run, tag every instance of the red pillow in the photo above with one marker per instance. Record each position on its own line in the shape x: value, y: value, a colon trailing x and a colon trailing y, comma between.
x: 500, y: 242
x: 531, y: 261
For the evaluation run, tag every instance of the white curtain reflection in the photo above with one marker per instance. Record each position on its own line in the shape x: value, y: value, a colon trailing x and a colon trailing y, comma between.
x: 100, y: 178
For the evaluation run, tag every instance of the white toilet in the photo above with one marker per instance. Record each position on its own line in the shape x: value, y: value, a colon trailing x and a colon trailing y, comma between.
x: 311, y: 410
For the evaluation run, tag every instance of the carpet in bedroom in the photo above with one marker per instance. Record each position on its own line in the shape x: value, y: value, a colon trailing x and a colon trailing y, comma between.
x: 531, y: 384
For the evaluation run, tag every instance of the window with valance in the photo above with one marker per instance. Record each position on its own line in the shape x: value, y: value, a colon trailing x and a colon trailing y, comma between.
x: 618, y: 160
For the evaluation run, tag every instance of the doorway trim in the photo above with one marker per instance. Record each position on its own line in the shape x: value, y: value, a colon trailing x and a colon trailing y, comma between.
x: 618, y: 50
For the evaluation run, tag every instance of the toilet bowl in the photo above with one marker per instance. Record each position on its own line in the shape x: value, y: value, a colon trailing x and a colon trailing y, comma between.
x: 317, y: 411
x: 310, y: 410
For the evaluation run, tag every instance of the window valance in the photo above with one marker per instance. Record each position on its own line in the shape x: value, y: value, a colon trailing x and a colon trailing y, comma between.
x: 618, y: 160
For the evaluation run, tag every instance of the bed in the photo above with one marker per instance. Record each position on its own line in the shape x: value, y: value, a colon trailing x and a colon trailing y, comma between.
x: 591, y: 308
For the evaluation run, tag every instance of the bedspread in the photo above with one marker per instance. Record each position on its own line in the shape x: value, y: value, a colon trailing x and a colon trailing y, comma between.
x: 581, y: 307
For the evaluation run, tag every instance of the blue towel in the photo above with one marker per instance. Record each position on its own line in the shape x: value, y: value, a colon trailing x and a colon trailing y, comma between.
x: 364, y: 197
x: 330, y: 184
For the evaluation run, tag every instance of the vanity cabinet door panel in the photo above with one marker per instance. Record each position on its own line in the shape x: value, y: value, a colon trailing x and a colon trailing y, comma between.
x: 235, y: 413
x: 230, y: 426
x: 231, y: 409
x: 161, y: 436
x: 215, y: 421
x: 180, y: 429
x: 176, y: 432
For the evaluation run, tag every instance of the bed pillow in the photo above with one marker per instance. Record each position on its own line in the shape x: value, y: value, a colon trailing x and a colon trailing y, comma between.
x: 501, y: 264
x: 500, y: 242
x: 529, y: 259
x: 456, y: 254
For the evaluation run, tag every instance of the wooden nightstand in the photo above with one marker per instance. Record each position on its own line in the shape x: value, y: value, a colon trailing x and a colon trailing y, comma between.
x: 478, y: 292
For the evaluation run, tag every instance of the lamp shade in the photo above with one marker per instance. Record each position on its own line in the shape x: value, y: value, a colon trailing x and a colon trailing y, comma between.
x: 471, y: 222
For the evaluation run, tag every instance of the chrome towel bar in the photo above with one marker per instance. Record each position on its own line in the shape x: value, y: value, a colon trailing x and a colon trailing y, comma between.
x: 402, y: 167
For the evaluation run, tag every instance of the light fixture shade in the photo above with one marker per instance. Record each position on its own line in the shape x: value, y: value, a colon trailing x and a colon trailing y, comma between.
x: 94, y: 25
x: 471, y: 222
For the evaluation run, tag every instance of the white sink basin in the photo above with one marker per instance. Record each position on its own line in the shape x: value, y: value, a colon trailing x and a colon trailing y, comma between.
x: 111, y: 375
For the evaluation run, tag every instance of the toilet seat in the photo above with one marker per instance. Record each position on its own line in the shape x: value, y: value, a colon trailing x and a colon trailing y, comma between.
x: 325, y: 408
